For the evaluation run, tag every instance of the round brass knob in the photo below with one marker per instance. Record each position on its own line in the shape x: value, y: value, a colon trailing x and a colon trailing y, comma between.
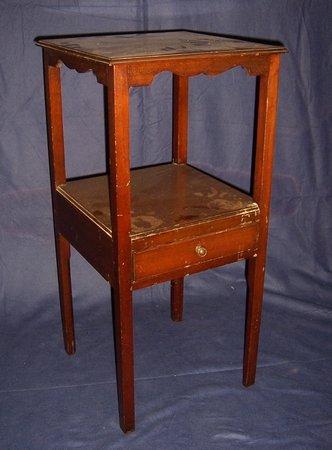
x: 200, y: 250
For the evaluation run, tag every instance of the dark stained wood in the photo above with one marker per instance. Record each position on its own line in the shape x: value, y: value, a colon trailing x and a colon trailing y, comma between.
x: 187, y: 253
x: 53, y: 103
x: 194, y: 268
x: 85, y: 235
x: 53, y: 100
x: 179, y: 153
x: 146, y: 55
x: 267, y: 111
x: 142, y: 73
x: 126, y: 47
x: 180, y: 119
x: 158, y: 204
x: 242, y: 219
x: 119, y: 197
x: 62, y: 249
x: 161, y: 223
x: 177, y: 299
x: 94, y: 241
x: 81, y: 65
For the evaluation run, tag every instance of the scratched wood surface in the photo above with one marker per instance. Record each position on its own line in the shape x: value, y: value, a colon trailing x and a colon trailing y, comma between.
x: 151, y: 45
x: 171, y: 220
x: 163, y: 197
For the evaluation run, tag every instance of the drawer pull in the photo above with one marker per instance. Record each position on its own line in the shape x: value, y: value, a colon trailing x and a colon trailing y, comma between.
x: 200, y: 250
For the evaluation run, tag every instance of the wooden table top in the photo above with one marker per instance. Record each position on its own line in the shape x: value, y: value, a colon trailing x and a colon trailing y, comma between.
x: 119, y: 47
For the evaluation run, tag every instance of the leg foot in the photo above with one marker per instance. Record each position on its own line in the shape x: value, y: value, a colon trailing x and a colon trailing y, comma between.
x: 177, y: 299
x: 124, y: 355
x: 255, y: 281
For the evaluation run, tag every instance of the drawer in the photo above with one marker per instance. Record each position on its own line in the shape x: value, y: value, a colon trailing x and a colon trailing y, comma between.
x: 186, y: 254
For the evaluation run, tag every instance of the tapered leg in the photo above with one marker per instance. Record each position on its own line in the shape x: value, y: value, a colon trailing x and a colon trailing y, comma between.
x: 255, y: 281
x: 53, y: 103
x: 124, y: 355
x: 63, y: 263
x: 266, y: 121
x: 180, y: 140
x: 177, y: 299
x: 120, y: 201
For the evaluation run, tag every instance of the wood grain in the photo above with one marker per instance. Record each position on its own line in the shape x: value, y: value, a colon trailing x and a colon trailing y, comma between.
x: 119, y: 197
x: 184, y: 254
x: 53, y: 102
x: 128, y: 47
x: 179, y: 154
x: 267, y: 110
x: 160, y: 223
x: 163, y: 198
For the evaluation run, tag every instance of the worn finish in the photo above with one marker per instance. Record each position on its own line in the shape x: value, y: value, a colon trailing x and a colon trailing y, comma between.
x: 160, y: 223
x: 184, y: 254
x: 119, y: 198
x: 91, y: 240
x: 267, y: 110
x: 164, y: 197
x: 58, y: 175
x: 177, y: 299
x: 179, y: 156
x: 126, y: 47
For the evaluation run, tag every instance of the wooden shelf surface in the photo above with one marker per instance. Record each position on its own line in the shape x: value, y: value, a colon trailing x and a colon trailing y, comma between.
x: 164, y: 197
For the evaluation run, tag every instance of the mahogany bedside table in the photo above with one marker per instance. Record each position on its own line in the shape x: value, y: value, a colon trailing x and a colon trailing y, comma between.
x: 153, y: 224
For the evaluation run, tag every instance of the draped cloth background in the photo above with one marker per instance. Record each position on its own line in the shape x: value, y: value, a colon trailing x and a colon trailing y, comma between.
x: 188, y: 375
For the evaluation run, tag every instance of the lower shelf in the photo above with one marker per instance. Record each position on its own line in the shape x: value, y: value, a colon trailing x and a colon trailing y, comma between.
x: 164, y: 197
x: 183, y: 221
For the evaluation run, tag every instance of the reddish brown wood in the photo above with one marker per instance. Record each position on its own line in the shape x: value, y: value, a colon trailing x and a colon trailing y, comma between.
x: 267, y: 110
x: 194, y: 268
x: 241, y: 219
x: 179, y: 143
x: 53, y: 101
x: 142, y: 73
x: 180, y: 118
x: 157, y: 224
x: 63, y: 266
x: 119, y: 191
x: 177, y: 299
x: 58, y: 175
x: 124, y: 48
x: 81, y: 65
x: 182, y: 202
x: 92, y: 241
x: 182, y: 255
x: 83, y: 206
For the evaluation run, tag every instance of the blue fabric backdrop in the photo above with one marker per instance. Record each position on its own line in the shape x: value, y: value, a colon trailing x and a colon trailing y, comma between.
x: 188, y: 375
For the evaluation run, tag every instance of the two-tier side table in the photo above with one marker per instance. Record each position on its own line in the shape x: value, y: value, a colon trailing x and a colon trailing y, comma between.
x: 154, y: 224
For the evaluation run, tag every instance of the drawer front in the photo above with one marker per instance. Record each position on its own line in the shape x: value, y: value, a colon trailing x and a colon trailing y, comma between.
x: 186, y: 253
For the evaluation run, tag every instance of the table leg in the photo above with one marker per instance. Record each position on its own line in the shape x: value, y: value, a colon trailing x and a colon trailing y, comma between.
x: 180, y: 140
x: 53, y: 103
x: 266, y: 121
x: 120, y: 201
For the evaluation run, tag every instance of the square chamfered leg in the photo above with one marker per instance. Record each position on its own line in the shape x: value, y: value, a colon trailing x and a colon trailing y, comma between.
x: 58, y: 176
x: 120, y: 200
x: 265, y: 135
x: 179, y: 150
